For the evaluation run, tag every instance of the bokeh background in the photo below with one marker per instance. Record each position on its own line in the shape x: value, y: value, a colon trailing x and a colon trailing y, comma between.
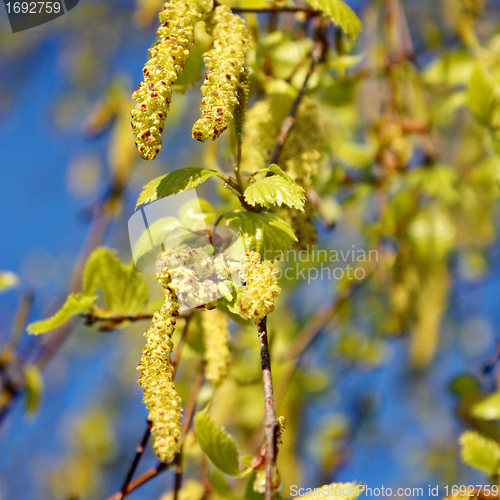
x: 391, y: 425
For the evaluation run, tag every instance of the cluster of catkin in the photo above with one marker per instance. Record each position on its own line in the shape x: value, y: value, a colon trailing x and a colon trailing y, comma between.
x: 216, y: 338
x: 169, y: 56
x: 157, y: 372
x: 225, y: 70
x: 300, y: 158
x: 258, y: 297
x: 254, y: 302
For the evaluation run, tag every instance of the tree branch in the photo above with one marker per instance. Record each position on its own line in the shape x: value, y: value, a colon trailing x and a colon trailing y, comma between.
x: 276, y: 10
x: 177, y: 355
x: 270, y: 420
x: 162, y: 466
x: 137, y: 458
x: 91, y: 318
x: 142, y: 479
x: 289, y: 121
x: 147, y: 433
x: 188, y: 420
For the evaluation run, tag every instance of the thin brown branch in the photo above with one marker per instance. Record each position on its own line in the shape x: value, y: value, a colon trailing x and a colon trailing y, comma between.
x: 178, y: 475
x: 21, y: 319
x: 94, y: 317
x: 147, y: 433
x: 188, y: 420
x: 91, y: 318
x: 177, y: 356
x: 142, y: 479
x: 137, y: 459
x: 289, y: 121
x: 276, y: 10
x: 191, y: 406
x: 270, y: 420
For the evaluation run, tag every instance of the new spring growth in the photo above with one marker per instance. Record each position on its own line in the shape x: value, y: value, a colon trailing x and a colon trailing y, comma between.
x: 160, y: 395
x: 224, y: 64
x: 168, y: 58
x: 216, y: 336
x: 259, y: 484
x: 257, y: 299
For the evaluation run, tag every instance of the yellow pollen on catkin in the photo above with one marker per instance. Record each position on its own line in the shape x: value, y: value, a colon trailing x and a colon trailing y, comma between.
x: 225, y: 69
x: 168, y: 58
x: 303, y: 226
x: 216, y: 336
x: 160, y: 395
x: 257, y: 299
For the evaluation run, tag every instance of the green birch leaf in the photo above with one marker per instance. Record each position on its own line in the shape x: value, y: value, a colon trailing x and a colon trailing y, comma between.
x: 175, y: 182
x: 75, y: 304
x: 276, y: 190
x: 480, y: 452
x: 482, y: 95
x: 124, y: 289
x: 275, y: 169
x: 33, y: 389
x: 217, y: 444
x: 356, y: 155
x: 334, y: 491
x: 488, y: 408
x: 341, y: 14
x: 265, y: 233
x: 8, y: 280
x: 451, y: 69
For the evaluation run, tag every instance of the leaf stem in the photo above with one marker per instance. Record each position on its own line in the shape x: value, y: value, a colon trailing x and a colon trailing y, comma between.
x: 237, y: 168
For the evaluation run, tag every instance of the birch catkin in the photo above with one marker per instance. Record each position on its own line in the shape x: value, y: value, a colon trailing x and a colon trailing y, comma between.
x: 216, y: 335
x: 225, y: 69
x: 257, y: 299
x: 160, y: 395
x: 168, y: 58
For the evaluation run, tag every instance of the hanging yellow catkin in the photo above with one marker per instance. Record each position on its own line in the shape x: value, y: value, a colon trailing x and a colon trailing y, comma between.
x: 224, y: 64
x: 168, y: 58
x: 303, y: 150
x: 257, y: 299
x: 216, y: 335
x: 160, y: 395
x: 303, y: 226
